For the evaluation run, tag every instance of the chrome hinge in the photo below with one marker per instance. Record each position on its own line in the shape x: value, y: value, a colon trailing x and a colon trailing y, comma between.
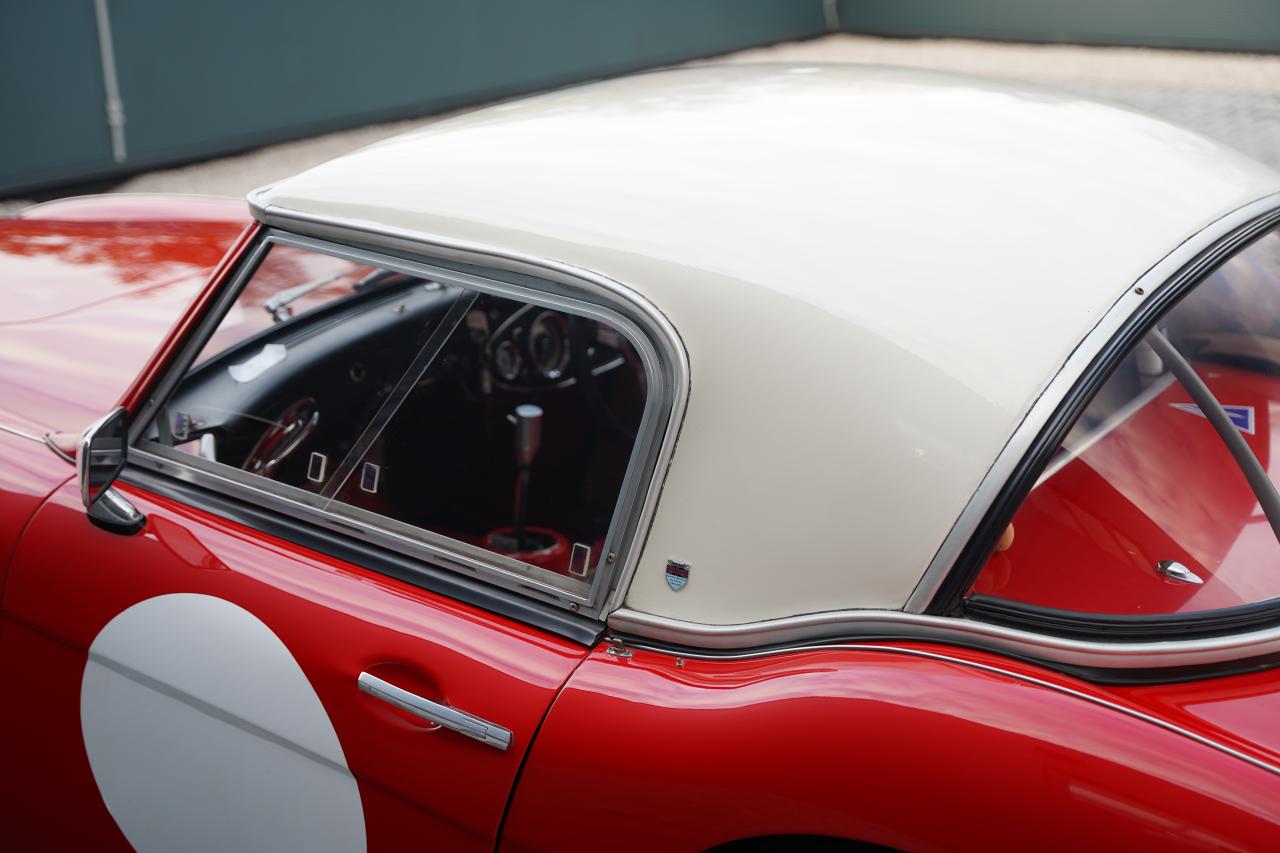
x: 616, y: 648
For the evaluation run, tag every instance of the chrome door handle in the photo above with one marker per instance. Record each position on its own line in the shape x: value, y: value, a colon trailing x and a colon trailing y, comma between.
x: 442, y: 715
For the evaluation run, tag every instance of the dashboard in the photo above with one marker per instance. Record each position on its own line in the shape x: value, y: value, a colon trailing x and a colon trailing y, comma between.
x: 530, y: 347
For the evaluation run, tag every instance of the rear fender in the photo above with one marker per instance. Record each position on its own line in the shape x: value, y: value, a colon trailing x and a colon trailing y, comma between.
x: 910, y: 747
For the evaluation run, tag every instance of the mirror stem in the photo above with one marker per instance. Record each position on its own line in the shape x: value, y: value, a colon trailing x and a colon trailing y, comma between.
x: 113, y: 513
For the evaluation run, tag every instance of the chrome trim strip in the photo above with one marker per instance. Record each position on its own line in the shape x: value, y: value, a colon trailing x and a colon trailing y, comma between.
x: 20, y: 433
x: 591, y: 286
x: 1028, y: 679
x: 354, y: 523
x: 48, y: 442
x: 895, y: 624
x: 433, y: 712
x: 1115, y: 318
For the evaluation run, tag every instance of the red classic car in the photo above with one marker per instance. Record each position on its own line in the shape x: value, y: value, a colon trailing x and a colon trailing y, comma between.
x: 754, y: 458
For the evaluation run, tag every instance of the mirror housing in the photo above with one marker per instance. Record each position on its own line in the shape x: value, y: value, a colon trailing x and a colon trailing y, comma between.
x: 100, y: 456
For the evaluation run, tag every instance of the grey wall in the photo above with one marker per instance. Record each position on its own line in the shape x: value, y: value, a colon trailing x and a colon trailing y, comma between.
x: 1252, y: 25
x: 52, y: 118
x: 204, y: 78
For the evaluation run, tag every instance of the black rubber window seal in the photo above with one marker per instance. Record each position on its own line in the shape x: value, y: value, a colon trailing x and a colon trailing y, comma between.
x: 1123, y: 627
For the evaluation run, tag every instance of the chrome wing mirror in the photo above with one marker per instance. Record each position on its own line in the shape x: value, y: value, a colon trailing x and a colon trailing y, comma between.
x: 100, y: 456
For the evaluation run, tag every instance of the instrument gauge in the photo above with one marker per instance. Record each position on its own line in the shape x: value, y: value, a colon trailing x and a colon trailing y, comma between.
x: 507, y: 361
x: 549, y: 345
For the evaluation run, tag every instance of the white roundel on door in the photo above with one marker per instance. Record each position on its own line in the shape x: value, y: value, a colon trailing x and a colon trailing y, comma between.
x: 203, y: 733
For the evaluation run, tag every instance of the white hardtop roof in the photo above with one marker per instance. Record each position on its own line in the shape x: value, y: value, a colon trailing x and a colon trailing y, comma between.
x: 874, y: 272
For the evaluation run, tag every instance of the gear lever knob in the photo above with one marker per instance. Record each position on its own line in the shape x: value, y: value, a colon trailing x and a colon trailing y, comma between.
x: 528, y: 433
x: 528, y: 421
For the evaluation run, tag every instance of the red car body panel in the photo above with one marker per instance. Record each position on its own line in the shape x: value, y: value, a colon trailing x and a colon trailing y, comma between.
x: 86, y: 302
x: 30, y: 471
x: 417, y: 783
x: 1239, y: 711
x: 914, y: 753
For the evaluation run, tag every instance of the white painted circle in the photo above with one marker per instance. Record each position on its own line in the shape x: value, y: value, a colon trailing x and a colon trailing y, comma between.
x: 204, y: 734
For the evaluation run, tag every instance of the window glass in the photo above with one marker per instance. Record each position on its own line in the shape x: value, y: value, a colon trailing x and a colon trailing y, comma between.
x: 1147, y: 507
x: 300, y: 364
x: 514, y: 440
x: 288, y: 282
x: 482, y: 424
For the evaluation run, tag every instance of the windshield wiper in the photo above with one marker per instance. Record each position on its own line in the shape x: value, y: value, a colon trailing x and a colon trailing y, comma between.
x: 276, y: 306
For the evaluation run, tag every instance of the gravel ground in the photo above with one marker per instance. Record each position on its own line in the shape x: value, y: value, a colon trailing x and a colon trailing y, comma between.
x: 1234, y: 97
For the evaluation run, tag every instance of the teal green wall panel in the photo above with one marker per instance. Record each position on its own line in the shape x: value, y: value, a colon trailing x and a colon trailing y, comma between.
x: 52, y: 116
x: 1252, y: 25
x: 200, y: 79
x: 205, y: 78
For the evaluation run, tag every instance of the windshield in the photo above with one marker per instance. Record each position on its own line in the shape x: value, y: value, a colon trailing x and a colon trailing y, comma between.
x: 1162, y: 498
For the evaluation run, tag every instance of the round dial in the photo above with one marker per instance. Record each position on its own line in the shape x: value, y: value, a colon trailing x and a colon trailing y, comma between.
x: 548, y: 345
x: 507, y: 361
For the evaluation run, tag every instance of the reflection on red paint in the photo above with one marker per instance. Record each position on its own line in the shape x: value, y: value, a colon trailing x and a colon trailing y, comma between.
x: 83, y: 305
x: 654, y: 752
x: 1159, y: 486
x: 30, y: 472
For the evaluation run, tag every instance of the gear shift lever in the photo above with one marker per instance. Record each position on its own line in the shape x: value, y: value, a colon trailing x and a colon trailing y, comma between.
x: 528, y: 421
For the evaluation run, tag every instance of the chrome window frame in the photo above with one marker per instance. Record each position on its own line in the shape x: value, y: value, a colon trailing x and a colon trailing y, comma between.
x: 660, y: 353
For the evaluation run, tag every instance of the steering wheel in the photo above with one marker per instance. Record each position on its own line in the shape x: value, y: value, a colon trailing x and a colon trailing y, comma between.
x: 292, y: 427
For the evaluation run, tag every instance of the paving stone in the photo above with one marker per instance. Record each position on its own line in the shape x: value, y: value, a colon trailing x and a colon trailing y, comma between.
x: 1248, y: 122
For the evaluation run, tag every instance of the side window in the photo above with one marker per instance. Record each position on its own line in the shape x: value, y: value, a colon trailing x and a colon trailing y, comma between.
x: 300, y: 363
x: 490, y: 427
x: 1162, y: 499
x: 514, y: 440
x: 289, y: 281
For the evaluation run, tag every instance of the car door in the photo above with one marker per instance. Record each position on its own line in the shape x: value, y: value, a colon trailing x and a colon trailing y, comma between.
x: 332, y: 632
x: 200, y: 681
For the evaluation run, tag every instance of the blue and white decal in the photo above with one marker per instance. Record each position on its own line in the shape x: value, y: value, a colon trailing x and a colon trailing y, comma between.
x: 1241, y: 416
